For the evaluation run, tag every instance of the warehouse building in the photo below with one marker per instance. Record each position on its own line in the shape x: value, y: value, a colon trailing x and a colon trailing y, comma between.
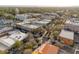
x: 28, y: 27
x: 32, y: 24
x: 66, y: 37
x: 7, y: 41
x: 42, y: 22
x: 5, y: 30
x: 18, y: 36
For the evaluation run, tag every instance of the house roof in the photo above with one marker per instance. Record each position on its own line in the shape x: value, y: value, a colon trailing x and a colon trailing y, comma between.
x: 67, y: 34
x: 47, y: 48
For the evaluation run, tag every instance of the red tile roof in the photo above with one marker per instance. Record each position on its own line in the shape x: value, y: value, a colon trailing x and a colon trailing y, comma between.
x: 47, y: 48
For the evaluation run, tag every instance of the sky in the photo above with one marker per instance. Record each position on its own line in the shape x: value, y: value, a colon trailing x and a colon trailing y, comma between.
x: 49, y: 3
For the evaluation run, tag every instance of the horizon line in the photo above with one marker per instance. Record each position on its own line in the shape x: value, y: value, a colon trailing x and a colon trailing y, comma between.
x: 32, y: 6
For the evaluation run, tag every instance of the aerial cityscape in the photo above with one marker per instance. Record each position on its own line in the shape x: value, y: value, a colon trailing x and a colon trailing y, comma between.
x: 39, y: 30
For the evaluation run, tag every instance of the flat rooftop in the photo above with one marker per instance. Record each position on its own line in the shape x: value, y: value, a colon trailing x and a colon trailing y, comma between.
x: 42, y: 22
x: 7, y: 41
x: 31, y: 26
x: 6, y: 29
x: 18, y: 36
x: 67, y: 34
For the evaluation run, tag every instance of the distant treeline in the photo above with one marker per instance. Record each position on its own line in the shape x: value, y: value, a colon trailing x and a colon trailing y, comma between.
x: 12, y: 10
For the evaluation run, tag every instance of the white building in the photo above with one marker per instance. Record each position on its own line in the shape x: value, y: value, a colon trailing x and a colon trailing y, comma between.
x: 29, y: 26
x: 6, y: 29
x: 18, y: 36
x: 42, y: 22
x: 7, y: 41
x: 66, y: 37
x: 21, y: 16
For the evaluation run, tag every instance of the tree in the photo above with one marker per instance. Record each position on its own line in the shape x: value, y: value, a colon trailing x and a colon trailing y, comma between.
x: 29, y: 45
x: 55, y: 33
x: 18, y: 44
x: 2, y: 52
x: 10, y: 17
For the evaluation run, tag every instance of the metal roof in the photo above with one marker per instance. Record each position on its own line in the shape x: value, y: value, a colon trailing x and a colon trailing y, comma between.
x: 3, y: 47
x: 5, y: 21
x: 18, y: 36
x: 33, y: 23
x: 43, y: 22
x: 67, y: 34
x: 31, y: 26
x: 6, y: 29
x: 13, y: 31
x: 7, y: 41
